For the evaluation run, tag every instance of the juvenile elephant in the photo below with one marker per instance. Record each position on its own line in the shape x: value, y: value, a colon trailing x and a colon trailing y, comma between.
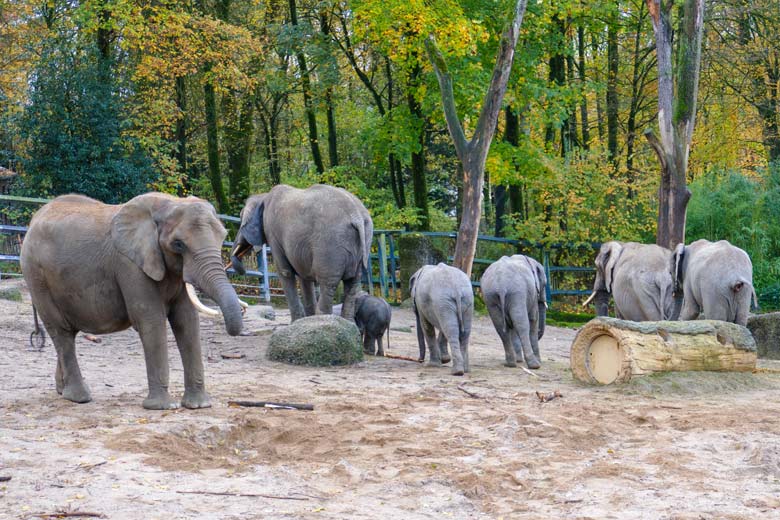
x: 321, y: 234
x: 97, y: 268
x: 716, y: 278
x: 372, y: 317
x: 639, y: 278
x: 442, y: 299
x: 514, y: 291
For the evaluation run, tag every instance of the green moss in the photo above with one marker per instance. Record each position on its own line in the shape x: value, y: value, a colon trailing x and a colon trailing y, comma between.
x: 323, y: 340
x: 13, y: 294
x: 570, y: 320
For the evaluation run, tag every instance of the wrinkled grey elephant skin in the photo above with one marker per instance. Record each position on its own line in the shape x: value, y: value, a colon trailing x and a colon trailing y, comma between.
x: 372, y: 317
x: 514, y: 290
x: 321, y: 234
x: 639, y: 279
x: 442, y: 299
x: 97, y: 268
x: 716, y: 279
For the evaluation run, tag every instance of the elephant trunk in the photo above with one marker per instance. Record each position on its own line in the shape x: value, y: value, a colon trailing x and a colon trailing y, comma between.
x: 240, y: 249
x: 210, y: 276
x: 602, y: 303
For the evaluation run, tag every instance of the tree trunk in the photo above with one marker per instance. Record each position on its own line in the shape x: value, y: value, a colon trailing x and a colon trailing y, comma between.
x: 212, y: 145
x: 678, y: 87
x: 473, y: 153
x: 333, y: 154
x: 181, y: 125
x: 584, y: 101
x: 613, y: 102
x: 238, y: 136
x: 311, y: 117
x: 597, y: 79
x: 608, y: 350
x: 419, y: 182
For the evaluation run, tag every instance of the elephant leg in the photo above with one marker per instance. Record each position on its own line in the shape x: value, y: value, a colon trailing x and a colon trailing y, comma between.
x: 453, y: 338
x: 368, y: 344
x: 380, y: 349
x: 445, y: 355
x: 430, y: 339
x: 325, y: 302
x: 464, y: 348
x: 534, y: 336
x: 351, y: 290
x: 690, y: 310
x: 291, y: 293
x: 186, y: 329
x: 309, y: 301
x: 522, y: 331
x: 497, y: 317
x: 67, y: 376
x: 153, y: 338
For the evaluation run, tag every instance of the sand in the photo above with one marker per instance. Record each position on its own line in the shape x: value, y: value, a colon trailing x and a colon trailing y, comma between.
x: 387, y: 438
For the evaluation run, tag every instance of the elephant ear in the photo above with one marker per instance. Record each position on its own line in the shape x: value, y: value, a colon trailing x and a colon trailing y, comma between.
x: 614, y: 250
x: 252, y: 228
x: 677, y: 266
x: 134, y: 233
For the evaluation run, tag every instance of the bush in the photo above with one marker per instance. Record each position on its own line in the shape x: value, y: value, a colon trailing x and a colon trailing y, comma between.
x: 321, y: 340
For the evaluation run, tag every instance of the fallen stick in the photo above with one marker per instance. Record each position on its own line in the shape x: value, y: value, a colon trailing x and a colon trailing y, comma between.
x: 90, y: 466
x: 529, y: 372
x: 233, y: 356
x: 251, y: 495
x: 268, y: 404
x: 66, y: 514
x: 5, y: 479
x: 93, y: 339
x: 544, y: 398
x: 403, y: 358
x: 468, y: 393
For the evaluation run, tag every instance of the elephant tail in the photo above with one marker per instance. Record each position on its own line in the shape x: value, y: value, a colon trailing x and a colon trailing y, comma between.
x: 365, y: 241
x: 741, y: 284
x: 459, y: 307
x: 502, y: 303
x: 420, y: 334
x: 664, y: 287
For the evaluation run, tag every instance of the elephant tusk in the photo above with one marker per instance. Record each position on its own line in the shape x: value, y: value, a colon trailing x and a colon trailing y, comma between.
x: 199, y: 304
x: 243, y: 304
x: 586, y: 302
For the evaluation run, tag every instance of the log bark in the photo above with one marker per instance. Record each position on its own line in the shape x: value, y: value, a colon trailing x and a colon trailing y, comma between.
x: 609, y: 350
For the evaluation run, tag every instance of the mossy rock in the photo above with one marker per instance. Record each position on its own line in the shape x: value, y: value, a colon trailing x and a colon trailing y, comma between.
x: 321, y: 340
x: 766, y: 331
x: 11, y: 293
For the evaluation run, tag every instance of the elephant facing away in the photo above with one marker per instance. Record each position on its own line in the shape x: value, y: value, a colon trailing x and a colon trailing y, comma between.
x: 514, y: 289
x: 639, y: 278
x: 716, y: 279
x: 442, y: 299
x: 98, y: 268
x: 320, y: 234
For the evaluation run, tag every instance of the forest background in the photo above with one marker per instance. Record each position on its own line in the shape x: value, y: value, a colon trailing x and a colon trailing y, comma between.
x: 223, y: 98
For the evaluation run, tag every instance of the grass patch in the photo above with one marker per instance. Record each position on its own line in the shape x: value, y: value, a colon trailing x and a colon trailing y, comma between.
x: 13, y: 294
x: 570, y: 320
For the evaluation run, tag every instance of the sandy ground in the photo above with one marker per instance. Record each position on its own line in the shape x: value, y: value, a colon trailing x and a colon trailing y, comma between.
x: 387, y: 439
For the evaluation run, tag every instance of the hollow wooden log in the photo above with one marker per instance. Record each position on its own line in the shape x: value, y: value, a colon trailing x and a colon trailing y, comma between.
x: 608, y: 350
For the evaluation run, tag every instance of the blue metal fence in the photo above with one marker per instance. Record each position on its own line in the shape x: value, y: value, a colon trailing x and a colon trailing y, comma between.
x: 386, y: 260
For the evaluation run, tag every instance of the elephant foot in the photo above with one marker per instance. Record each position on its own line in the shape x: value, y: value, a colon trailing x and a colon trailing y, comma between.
x: 380, y: 352
x: 160, y: 401
x: 434, y: 363
x: 196, y: 399
x: 510, y: 364
x: 78, y: 393
x: 533, y: 363
x: 457, y: 371
x: 369, y: 352
x: 445, y: 358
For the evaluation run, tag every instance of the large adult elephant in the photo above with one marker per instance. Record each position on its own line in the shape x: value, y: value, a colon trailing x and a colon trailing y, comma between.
x: 639, y: 278
x: 319, y: 234
x: 98, y: 268
x: 716, y: 279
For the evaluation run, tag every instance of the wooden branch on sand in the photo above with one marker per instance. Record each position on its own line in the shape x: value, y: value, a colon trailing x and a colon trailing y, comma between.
x: 65, y: 514
x: 403, y: 358
x: 251, y: 495
x: 545, y: 398
x: 269, y: 404
x: 5, y: 479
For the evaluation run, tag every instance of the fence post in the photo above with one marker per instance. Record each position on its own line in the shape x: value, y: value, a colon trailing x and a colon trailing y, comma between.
x: 392, y: 265
x: 382, y: 258
x: 370, y: 276
x: 264, y: 269
x: 548, y: 287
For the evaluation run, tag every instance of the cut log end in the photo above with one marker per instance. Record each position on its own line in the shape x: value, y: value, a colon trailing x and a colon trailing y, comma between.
x: 607, y: 350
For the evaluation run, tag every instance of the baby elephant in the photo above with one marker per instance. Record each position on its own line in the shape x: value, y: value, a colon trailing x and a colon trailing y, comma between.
x: 442, y: 299
x: 514, y: 292
x: 372, y: 317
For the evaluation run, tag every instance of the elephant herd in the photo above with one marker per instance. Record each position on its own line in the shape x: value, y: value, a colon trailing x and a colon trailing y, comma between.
x: 100, y: 268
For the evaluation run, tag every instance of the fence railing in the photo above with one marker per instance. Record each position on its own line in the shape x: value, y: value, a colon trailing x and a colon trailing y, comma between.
x: 382, y: 275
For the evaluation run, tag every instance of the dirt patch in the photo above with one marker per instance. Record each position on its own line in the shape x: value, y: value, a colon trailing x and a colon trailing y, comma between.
x: 387, y: 438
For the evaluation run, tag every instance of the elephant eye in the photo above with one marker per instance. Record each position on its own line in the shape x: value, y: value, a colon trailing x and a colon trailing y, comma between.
x: 178, y: 246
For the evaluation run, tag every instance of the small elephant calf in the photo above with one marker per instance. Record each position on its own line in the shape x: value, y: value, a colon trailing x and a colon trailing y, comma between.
x: 372, y: 317
x: 442, y: 299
